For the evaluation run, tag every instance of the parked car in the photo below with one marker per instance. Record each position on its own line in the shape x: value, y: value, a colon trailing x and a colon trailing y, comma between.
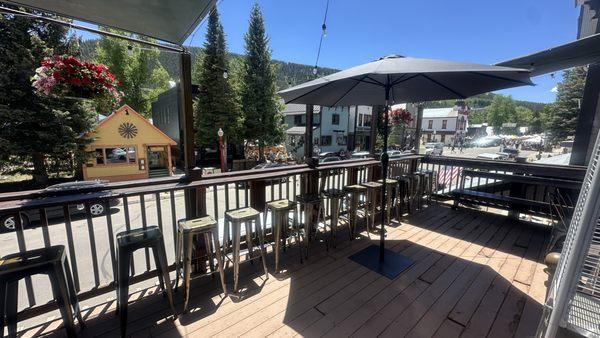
x: 330, y: 159
x: 8, y: 222
x: 512, y: 153
x: 492, y: 156
x: 434, y: 148
x: 488, y: 141
x: 266, y: 165
x: 360, y: 154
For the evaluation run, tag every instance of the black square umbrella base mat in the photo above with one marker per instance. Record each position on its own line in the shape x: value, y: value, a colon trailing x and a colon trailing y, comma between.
x: 392, y: 265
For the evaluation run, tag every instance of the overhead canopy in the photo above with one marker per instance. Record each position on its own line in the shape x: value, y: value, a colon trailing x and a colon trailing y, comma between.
x: 170, y: 21
x: 577, y: 53
x: 408, y: 80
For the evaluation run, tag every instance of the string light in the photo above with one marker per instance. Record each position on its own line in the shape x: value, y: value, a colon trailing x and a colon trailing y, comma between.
x: 129, y: 50
x: 225, y: 74
x: 323, y: 34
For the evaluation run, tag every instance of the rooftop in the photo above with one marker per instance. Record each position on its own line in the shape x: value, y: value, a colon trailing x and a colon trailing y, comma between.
x: 439, y: 112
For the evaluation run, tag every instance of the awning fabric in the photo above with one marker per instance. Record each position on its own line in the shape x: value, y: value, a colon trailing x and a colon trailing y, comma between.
x: 170, y: 21
x: 576, y: 53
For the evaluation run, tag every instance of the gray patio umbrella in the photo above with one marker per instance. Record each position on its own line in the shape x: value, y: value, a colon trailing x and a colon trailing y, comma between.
x: 403, y: 79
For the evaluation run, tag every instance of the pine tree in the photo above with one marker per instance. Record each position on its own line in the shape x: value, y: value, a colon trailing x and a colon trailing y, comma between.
x: 263, y: 120
x: 41, y: 130
x: 216, y: 106
x: 563, y: 121
x: 138, y: 68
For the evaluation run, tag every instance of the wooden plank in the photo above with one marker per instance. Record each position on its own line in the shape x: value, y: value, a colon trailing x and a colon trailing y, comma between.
x: 449, y: 329
x: 384, y: 306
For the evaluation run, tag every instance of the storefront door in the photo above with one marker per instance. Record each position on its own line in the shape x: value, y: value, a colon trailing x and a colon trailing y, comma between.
x: 157, y: 158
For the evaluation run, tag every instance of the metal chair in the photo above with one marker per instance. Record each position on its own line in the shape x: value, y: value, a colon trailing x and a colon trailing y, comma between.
x: 355, y: 192
x: 308, y: 203
x: 186, y: 231
x: 429, y: 184
x: 280, y: 223
x: 127, y: 243
x: 51, y: 261
x: 335, y: 197
x: 236, y: 218
x: 404, y: 193
x: 391, y: 194
x: 373, y: 191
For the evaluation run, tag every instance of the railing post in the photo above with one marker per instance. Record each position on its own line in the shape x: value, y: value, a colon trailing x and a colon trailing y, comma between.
x: 352, y: 177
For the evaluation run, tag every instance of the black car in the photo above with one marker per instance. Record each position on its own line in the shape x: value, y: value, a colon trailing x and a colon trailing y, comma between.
x: 7, y: 222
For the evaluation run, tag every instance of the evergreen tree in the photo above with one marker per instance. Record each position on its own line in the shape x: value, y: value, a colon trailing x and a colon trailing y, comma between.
x: 138, y: 68
x: 40, y: 130
x: 263, y: 120
x: 216, y: 106
x: 563, y: 121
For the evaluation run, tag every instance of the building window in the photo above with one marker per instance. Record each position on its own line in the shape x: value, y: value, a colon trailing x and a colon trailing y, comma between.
x: 100, y: 156
x: 443, y: 138
x: 342, y: 140
x: 116, y: 155
x: 430, y: 125
x: 444, y: 124
x: 367, y: 120
x: 298, y: 120
x: 326, y: 140
x: 335, y: 119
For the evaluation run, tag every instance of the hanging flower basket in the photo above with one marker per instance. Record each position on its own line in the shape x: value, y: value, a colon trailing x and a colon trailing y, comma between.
x: 68, y: 77
x: 398, y: 116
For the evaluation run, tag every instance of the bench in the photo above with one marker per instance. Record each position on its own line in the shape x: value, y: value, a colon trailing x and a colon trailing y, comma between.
x: 527, y: 194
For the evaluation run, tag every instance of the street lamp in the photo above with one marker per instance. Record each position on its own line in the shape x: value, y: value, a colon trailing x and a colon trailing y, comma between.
x: 221, y: 149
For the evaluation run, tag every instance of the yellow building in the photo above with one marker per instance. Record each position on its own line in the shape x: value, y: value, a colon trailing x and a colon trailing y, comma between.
x: 126, y: 146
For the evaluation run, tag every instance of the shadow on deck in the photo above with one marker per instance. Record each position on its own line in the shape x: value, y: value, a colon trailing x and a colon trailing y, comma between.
x: 474, y: 274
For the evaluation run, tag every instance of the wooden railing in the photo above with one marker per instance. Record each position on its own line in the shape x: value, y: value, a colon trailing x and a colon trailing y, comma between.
x: 67, y: 217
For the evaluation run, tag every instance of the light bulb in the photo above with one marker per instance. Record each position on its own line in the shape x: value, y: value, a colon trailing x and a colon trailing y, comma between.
x: 130, y: 50
x: 315, y: 70
x: 225, y: 74
x: 324, y: 28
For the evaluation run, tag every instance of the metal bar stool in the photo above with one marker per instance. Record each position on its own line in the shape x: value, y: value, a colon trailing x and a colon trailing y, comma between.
x: 335, y: 197
x: 373, y: 191
x: 391, y: 196
x: 127, y: 243
x: 355, y: 192
x: 404, y: 189
x: 186, y: 231
x: 430, y: 184
x: 51, y: 261
x: 308, y: 203
x: 421, y: 185
x: 238, y: 217
x: 280, y: 223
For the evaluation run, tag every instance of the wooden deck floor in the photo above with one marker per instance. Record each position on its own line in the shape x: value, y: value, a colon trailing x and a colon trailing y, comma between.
x: 475, y: 274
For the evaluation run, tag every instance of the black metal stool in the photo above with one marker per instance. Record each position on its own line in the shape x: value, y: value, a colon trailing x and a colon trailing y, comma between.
x: 355, y: 192
x: 308, y: 203
x: 186, y: 231
x: 430, y: 184
x: 50, y: 261
x: 280, y: 223
x: 237, y: 218
x: 335, y: 197
x: 127, y: 243
x: 391, y: 195
x: 373, y: 191
x: 404, y: 191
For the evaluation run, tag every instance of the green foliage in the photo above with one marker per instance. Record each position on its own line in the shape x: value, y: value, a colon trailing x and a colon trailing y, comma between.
x: 523, y: 116
x: 216, y: 106
x: 41, y: 130
x: 262, y: 112
x: 478, y: 116
x: 540, y: 119
x: 137, y: 67
x: 502, y: 110
x: 483, y: 101
x: 563, y: 120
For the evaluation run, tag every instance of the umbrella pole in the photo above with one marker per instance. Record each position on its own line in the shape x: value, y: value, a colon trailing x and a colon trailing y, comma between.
x: 384, y: 170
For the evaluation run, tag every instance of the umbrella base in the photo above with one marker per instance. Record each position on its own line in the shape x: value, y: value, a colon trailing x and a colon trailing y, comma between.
x: 392, y: 266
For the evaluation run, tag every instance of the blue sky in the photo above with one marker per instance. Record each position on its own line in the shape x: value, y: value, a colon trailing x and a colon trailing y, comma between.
x: 360, y: 31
